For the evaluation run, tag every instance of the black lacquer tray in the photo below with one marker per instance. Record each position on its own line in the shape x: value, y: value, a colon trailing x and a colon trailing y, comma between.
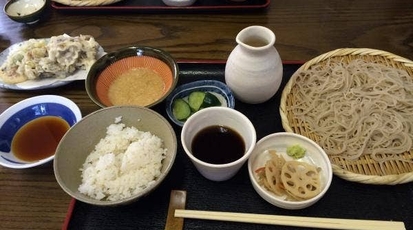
x: 157, y: 6
x: 343, y: 200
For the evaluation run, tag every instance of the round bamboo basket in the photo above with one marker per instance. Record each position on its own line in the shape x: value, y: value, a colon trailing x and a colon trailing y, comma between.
x: 86, y: 2
x: 364, y: 169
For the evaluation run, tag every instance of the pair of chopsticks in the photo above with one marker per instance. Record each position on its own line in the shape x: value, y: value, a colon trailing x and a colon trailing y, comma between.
x: 310, y: 222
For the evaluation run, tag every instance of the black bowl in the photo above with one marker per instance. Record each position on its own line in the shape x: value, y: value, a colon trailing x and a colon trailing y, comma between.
x: 25, y: 11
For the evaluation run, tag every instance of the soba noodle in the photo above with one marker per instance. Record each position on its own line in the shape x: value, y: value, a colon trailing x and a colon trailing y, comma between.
x: 357, y: 108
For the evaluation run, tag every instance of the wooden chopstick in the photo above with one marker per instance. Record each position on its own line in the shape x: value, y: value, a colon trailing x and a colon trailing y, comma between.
x: 176, y: 201
x: 311, y: 222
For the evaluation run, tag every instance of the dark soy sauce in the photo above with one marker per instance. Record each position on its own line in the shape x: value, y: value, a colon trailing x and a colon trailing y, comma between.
x: 218, y: 145
x: 38, y: 139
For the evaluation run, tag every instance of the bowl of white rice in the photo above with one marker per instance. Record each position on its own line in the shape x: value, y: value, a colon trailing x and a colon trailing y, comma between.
x: 115, y: 155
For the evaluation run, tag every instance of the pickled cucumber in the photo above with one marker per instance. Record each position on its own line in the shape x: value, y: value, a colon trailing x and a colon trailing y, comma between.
x: 198, y: 100
x: 181, y: 109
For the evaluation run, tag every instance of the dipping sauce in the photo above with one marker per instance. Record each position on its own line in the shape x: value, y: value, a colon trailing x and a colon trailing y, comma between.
x: 38, y: 139
x: 138, y: 86
x: 218, y: 145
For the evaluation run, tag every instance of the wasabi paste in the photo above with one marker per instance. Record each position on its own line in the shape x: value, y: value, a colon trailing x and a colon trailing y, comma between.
x: 295, y: 151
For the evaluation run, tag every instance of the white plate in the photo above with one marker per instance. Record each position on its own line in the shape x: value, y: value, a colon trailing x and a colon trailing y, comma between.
x: 43, y: 83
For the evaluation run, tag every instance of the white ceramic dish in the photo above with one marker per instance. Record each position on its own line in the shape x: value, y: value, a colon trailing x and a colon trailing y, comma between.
x: 315, y: 155
x: 13, y: 118
x: 43, y: 83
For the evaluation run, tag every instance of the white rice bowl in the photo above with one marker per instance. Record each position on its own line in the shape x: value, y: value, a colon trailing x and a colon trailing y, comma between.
x: 123, y: 163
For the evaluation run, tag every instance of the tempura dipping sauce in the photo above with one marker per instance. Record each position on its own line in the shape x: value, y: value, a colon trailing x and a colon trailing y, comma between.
x: 38, y: 139
x: 25, y: 7
x: 218, y: 145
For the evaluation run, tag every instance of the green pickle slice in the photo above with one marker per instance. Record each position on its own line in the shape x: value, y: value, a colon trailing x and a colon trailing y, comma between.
x: 210, y: 100
x: 181, y: 109
x: 195, y: 100
x: 198, y: 100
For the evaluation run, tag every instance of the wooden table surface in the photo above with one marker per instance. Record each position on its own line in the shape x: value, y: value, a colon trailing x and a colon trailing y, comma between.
x: 32, y: 199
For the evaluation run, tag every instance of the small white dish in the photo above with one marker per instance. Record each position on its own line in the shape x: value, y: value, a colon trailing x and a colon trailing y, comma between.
x: 16, y: 116
x: 314, y: 155
x: 179, y: 2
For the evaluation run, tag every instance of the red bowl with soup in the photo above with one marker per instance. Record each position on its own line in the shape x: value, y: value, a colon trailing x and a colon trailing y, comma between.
x: 142, y: 76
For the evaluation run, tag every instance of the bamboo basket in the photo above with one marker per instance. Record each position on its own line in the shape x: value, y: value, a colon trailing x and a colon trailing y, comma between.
x: 364, y: 169
x: 86, y: 2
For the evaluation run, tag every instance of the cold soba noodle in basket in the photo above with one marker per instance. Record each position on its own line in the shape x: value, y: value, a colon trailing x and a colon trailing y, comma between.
x: 357, y: 108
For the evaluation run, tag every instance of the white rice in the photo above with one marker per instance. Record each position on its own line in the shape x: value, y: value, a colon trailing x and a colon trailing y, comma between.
x: 123, y: 163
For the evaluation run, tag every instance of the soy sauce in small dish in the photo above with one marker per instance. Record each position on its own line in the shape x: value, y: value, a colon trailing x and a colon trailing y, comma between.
x: 38, y: 139
x: 218, y: 145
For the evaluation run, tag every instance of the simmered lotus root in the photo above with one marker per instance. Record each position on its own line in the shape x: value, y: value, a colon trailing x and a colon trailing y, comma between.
x: 294, y: 179
x: 300, y: 179
x: 273, y: 173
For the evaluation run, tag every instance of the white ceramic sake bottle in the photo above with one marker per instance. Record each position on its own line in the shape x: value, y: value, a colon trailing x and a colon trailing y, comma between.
x: 254, y: 68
